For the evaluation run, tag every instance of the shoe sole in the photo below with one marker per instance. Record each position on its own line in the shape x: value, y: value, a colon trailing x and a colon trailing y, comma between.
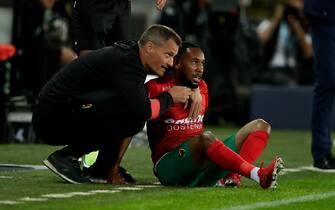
x: 279, y: 165
x: 98, y: 181
x: 53, y: 169
x: 231, y: 184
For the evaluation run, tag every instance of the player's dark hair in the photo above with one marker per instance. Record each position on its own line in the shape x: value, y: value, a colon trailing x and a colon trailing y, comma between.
x: 159, y: 34
x: 183, y: 49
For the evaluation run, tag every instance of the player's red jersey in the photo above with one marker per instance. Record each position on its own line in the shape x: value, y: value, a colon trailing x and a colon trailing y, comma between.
x: 173, y: 127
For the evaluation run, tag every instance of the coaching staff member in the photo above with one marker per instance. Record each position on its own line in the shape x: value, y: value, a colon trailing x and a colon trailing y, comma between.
x: 100, y: 23
x: 100, y: 99
x: 321, y: 16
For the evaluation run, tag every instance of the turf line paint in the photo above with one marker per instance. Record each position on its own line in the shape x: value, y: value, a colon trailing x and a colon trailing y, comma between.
x: 8, y: 202
x: 157, y: 184
x: 129, y: 188
x: 72, y: 194
x: 33, y: 199
x: 147, y: 186
x: 305, y: 168
x: 6, y: 177
x: 301, y: 199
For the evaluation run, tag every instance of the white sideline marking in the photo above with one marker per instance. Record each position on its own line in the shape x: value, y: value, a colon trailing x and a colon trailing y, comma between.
x: 9, y: 202
x: 58, y: 195
x: 157, y: 184
x: 147, y: 186
x: 67, y: 195
x: 71, y: 194
x: 6, y: 177
x: 105, y: 191
x: 307, y: 168
x: 311, y: 168
x: 285, y: 170
x: 129, y: 188
x: 33, y: 199
x: 300, y: 199
x: 36, y: 167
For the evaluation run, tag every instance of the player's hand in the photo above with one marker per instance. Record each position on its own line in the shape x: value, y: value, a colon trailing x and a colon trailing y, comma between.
x: 195, y: 104
x: 160, y: 4
x: 114, y: 177
x: 180, y: 94
x: 67, y: 55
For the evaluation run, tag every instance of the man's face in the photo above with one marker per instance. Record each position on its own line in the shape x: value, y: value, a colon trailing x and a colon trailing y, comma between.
x: 47, y: 4
x: 161, y: 56
x: 298, y: 4
x: 191, y: 67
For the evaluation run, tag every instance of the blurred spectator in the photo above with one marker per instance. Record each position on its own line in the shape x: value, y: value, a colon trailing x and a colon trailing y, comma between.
x: 63, y: 8
x: 2, y: 101
x: 41, y: 37
x: 233, y: 49
x: 287, y: 46
x: 6, y: 52
x: 187, y: 17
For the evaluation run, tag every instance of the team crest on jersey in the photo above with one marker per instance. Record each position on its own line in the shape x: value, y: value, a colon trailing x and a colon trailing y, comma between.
x: 182, y: 152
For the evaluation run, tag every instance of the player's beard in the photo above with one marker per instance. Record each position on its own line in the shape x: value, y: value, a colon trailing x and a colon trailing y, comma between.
x: 188, y: 83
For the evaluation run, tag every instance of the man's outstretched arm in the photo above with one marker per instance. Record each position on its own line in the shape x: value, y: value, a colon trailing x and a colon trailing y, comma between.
x: 114, y: 175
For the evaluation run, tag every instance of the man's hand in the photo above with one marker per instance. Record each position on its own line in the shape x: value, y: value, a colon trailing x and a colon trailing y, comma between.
x: 196, y: 104
x: 300, y: 34
x: 295, y: 25
x: 114, y: 176
x: 278, y: 13
x: 180, y: 94
x: 160, y: 4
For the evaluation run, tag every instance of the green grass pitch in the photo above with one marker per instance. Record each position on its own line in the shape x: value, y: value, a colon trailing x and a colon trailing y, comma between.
x: 298, y: 188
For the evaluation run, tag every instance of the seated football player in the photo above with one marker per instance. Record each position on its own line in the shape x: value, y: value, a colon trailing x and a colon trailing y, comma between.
x: 184, y: 154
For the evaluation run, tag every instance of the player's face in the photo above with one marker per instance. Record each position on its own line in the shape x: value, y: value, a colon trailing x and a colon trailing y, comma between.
x: 161, y: 56
x: 191, y: 66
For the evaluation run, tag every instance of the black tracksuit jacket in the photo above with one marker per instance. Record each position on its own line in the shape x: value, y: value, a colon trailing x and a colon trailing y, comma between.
x: 101, y: 90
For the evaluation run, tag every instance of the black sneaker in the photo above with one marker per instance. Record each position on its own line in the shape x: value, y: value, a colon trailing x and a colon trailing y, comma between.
x: 99, y: 174
x: 67, y: 168
x: 126, y: 175
x: 325, y: 163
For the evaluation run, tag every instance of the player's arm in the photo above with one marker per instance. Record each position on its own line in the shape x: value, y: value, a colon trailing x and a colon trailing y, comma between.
x: 114, y: 175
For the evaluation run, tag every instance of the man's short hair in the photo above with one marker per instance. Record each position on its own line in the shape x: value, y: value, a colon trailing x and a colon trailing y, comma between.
x: 182, y: 50
x: 159, y: 34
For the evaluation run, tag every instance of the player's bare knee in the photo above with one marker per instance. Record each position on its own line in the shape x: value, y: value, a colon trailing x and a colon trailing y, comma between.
x: 261, y: 125
x: 207, y: 138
